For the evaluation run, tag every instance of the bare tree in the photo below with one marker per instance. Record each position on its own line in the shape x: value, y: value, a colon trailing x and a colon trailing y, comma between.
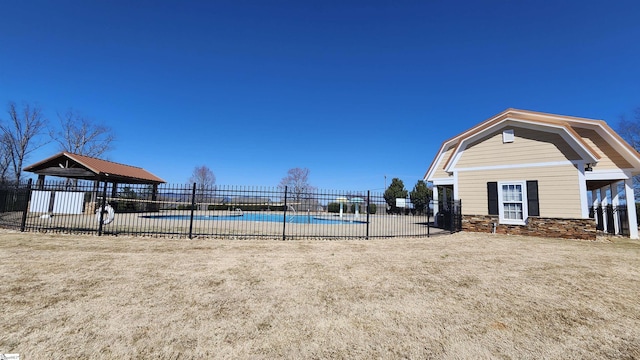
x: 204, y: 179
x: 5, y: 159
x: 21, y: 132
x: 629, y: 129
x: 297, y: 183
x: 80, y: 135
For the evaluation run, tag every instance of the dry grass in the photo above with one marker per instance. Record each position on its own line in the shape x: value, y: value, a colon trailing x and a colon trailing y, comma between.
x: 137, y: 223
x: 451, y: 297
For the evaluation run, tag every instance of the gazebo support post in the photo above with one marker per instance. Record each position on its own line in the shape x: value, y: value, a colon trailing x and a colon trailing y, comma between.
x: 91, y: 206
x: 102, y: 207
x: 40, y: 182
x: 114, y: 194
x: 154, y: 196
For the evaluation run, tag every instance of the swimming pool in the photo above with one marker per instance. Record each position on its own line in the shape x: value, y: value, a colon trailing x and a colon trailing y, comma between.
x: 266, y: 217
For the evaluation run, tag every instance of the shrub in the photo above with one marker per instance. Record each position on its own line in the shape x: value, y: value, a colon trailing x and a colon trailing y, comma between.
x: 123, y: 206
x: 373, y: 208
x: 333, y: 207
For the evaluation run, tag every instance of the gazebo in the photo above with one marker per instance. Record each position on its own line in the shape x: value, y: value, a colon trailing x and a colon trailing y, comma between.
x: 80, y: 167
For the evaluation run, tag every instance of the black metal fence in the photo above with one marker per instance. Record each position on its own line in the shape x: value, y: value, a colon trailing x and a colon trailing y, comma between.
x: 449, y: 215
x: 608, y: 216
x: 191, y: 211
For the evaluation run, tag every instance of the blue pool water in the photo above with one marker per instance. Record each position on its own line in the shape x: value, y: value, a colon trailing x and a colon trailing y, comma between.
x: 268, y: 217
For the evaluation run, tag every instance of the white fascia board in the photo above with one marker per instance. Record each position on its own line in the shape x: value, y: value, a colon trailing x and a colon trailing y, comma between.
x: 439, y: 158
x: 443, y: 181
x: 612, y: 174
x: 456, y: 157
x: 574, y: 142
x: 520, y: 166
x: 618, y: 146
x: 585, y: 154
x: 560, y: 130
x: 611, y: 139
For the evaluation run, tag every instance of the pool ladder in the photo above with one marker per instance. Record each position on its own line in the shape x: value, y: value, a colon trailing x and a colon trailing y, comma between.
x: 290, y: 207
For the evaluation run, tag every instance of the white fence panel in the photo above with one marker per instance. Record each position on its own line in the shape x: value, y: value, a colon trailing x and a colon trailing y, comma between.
x: 67, y: 202
x: 40, y: 201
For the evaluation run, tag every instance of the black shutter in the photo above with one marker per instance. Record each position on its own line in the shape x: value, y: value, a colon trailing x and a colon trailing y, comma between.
x: 532, y: 198
x: 492, y: 197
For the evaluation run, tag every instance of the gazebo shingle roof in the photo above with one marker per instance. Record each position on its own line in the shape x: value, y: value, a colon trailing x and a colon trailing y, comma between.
x: 70, y: 165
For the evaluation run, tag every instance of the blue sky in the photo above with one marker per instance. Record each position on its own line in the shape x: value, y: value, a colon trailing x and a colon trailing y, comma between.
x: 352, y: 90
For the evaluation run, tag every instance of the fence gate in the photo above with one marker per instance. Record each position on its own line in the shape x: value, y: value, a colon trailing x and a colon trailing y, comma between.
x: 449, y: 216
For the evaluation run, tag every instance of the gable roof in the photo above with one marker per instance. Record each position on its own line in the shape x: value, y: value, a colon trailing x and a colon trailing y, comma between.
x: 70, y: 165
x: 561, y: 124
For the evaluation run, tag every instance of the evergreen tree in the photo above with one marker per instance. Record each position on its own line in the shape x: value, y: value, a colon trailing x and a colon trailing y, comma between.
x: 420, y: 196
x: 395, y: 191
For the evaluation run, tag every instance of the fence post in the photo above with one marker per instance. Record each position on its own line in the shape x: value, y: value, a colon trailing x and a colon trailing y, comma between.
x: 23, y: 223
x: 368, y: 204
x: 193, y: 206
x: 460, y: 215
x: 284, y: 220
x: 102, y: 207
x: 455, y: 216
x: 428, y: 218
x: 452, y: 216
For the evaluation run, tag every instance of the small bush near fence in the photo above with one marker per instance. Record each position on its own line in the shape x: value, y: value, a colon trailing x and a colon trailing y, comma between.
x: 334, y: 207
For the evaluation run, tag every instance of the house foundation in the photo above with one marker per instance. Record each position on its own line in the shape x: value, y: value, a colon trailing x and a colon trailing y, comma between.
x: 582, y: 229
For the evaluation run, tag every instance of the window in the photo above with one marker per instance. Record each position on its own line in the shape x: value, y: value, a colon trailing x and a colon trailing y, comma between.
x: 513, y: 201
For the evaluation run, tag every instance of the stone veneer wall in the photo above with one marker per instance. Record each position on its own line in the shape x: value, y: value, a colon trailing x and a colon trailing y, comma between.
x: 583, y: 229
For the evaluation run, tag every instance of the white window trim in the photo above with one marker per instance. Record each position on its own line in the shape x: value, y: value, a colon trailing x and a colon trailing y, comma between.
x: 525, y: 210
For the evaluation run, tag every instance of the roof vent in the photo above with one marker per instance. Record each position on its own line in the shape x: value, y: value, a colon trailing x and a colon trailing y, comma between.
x: 507, y: 136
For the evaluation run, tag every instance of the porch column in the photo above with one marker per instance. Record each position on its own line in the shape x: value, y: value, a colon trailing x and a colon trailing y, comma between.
x: 631, y: 208
x: 615, y: 201
x: 436, y: 205
x: 584, y: 198
x: 603, y: 204
x: 594, y: 204
x: 594, y: 198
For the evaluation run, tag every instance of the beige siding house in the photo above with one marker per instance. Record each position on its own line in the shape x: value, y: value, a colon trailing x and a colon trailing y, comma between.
x: 525, y: 172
